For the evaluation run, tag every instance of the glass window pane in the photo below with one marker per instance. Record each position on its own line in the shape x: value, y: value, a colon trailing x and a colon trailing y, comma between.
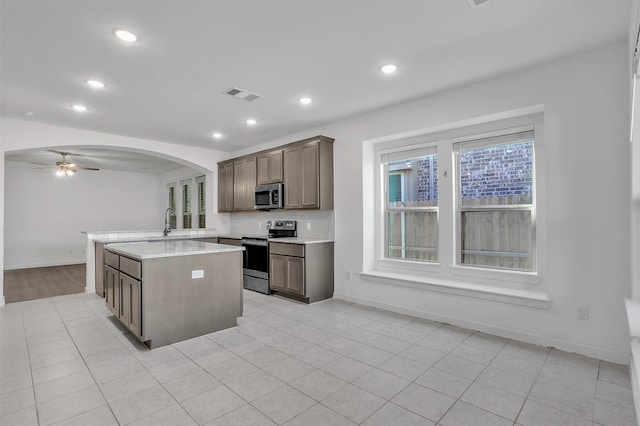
x: 499, y: 239
x: 413, y: 235
x: 413, y: 182
x: 186, y: 198
x: 494, y: 175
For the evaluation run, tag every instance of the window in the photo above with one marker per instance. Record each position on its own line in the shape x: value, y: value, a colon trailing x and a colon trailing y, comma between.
x: 411, y: 207
x: 172, y: 205
x: 460, y: 203
x: 495, y: 209
x: 202, y: 211
x: 186, y: 204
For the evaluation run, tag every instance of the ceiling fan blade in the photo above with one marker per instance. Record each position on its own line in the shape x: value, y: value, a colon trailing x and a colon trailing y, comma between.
x: 40, y: 164
x: 88, y: 168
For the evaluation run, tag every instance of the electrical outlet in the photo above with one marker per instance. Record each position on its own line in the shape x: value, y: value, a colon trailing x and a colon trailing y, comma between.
x: 583, y: 312
x: 198, y: 273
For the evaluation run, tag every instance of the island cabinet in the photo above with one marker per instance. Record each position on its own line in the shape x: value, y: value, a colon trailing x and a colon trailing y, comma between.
x: 244, y: 183
x: 301, y: 271
x: 270, y: 167
x: 169, y: 291
x: 308, y: 174
x: 225, y: 186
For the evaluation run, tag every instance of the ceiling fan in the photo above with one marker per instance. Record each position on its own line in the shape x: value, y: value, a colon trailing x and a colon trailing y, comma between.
x: 64, y: 167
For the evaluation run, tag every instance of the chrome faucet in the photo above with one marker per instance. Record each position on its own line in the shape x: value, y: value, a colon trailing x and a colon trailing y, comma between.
x: 167, y: 225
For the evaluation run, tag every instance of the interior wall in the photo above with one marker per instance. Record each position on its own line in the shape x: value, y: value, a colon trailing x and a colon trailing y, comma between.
x: 45, y: 214
x: 586, y: 113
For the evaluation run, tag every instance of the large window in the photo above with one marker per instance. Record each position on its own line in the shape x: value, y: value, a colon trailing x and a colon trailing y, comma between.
x: 495, y: 201
x: 461, y: 202
x: 202, y: 206
x: 411, y: 206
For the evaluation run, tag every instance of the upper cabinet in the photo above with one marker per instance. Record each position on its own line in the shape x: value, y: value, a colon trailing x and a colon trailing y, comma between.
x: 305, y: 167
x: 308, y: 174
x: 244, y: 183
x: 270, y: 167
x: 225, y: 186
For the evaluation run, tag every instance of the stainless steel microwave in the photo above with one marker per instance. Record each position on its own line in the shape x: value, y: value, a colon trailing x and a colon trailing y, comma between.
x: 269, y: 197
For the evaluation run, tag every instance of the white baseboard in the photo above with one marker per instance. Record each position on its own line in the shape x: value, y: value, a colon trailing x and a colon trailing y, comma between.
x: 43, y: 265
x: 590, y: 351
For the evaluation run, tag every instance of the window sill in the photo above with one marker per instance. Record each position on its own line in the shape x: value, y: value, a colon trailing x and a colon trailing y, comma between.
x: 524, y: 297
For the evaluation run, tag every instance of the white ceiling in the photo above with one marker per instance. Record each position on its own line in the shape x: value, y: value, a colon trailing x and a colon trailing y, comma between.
x: 169, y: 86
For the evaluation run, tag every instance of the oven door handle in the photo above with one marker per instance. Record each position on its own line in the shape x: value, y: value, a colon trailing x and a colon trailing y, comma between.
x: 252, y: 242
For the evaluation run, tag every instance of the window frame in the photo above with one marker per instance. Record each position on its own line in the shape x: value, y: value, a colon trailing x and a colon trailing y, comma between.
x: 201, y: 185
x: 448, y: 275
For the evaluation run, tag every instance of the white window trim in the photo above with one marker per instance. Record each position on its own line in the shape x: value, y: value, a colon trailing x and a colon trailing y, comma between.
x: 517, y: 287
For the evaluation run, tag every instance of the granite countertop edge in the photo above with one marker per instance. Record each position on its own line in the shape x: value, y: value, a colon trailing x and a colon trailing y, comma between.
x: 159, y: 249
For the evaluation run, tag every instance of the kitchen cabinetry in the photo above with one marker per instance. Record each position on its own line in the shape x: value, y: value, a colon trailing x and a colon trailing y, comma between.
x: 301, y: 271
x: 230, y: 241
x: 270, y: 167
x: 308, y: 174
x: 225, y: 186
x: 122, y: 289
x: 244, y: 183
x: 130, y: 306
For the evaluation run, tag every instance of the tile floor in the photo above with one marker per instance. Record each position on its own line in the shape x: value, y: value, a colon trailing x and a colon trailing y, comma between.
x: 65, y: 361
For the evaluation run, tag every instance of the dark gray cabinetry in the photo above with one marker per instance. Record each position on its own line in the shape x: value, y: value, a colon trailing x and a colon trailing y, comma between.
x: 270, y: 167
x: 225, y: 186
x: 244, y: 184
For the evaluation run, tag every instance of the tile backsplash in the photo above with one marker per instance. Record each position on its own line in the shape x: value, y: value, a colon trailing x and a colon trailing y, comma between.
x: 312, y: 224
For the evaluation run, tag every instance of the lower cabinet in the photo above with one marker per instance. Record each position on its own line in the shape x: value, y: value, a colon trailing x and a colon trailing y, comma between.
x: 123, y: 291
x: 112, y: 289
x: 301, y: 271
x: 131, y: 303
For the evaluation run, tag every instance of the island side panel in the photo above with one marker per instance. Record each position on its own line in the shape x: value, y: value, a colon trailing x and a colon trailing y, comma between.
x: 176, y: 307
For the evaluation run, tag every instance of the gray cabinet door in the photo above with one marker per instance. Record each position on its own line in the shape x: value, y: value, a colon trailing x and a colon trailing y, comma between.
x: 112, y: 290
x: 244, y: 183
x: 130, y: 312
x: 293, y: 178
x: 225, y: 187
x: 125, y: 297
x: 270, y: 167
x: 310, y: 176
x: 278, y: 272
x: 295, y: 275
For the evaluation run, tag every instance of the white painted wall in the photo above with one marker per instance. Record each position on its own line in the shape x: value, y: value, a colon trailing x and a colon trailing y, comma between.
x: 586, y: 107
x: 45, y: 214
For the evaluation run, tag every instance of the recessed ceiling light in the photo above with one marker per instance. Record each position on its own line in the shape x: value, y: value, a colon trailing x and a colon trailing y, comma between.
x: 216, y: 135
x: 125, y: 36
x: 28, y: 113
x: 250, y: 121
x: 96, y: 84
x: 388, y: 69
x: 305, y: 100
x: 79, y: 108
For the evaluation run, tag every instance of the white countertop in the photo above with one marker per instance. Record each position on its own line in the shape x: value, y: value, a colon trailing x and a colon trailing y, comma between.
x: 153, y: 250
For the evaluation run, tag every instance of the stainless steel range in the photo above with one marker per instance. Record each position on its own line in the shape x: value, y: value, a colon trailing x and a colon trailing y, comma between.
x: 255, y: 264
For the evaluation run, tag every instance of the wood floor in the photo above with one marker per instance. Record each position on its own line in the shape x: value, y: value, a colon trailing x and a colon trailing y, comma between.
x: 38, y: 283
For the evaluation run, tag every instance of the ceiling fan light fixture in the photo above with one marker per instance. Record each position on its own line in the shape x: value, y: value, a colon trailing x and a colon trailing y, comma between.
x: 388, y: 68
x: 250, y: 121
x: 216, y: 135
x: 79, y: 108
x: 69, y: 172
x: 60, y: 173
x: 305, y: 100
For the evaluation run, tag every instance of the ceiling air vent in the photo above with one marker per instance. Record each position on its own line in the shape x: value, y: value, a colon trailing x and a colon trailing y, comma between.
x: 242, y: 94
x: 477, y: 3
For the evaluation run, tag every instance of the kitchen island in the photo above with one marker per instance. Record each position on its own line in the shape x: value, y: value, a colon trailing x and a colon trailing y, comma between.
x: 169, y: 291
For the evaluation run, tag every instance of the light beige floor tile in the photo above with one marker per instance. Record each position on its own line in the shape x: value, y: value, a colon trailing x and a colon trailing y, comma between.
x: 52, y: 346
x: 370, y: 356
x: 196, y: 345
x: 172, y: 416
x: 25, y: 417
x: 460, y: 367
x: 507, y: 381
x: 232, y: 369
x: 614, y: 373
x: 319, y: 415
x: 486, y: 341
x: 391, y: 414
x: 127, y: 385
x: 101, y: 416
x: 452, y: 333
x: 574, y: 363
x: 116, y: 369
x: 346, y: 369
x: 438, y: 343
x: 342, y: 345
x: 245, y: 415
x: 495, y: 401
x: 534, y: 414
x: 389, y: 344
x: 283, y: 404
x: 141, y: 404
x: 354, y: 403
x: 526, y: 351
x: 16, y: 401
x: 422, y: 354
x: 264, y: 356
x: 423, y: 401
x: 52, y: 372
x: 212, y: 357
x: 13, y: 364
x: 462, y: 414
x: 403, y: 367
x: 317, y: 356
x: 70, y: 405
x: 212, y: 404
x: 254, y: 385
x: 292, y: 345
x: 107, y: 356
x: 174, y: 369
x: 609, y: 414
x: 16, y: 382
x: 318, y: 385
x: 472, y: 353
x: 615, y: 394
x: 444, y: 382
x: 381, y: 383
x: 191, y: 385
x: 564, y: 399
x: 63, y: 386
x: 516, y: 365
